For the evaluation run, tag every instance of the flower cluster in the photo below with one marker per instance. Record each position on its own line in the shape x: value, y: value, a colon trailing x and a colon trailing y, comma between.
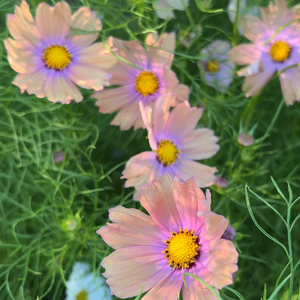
x: 57, y: 51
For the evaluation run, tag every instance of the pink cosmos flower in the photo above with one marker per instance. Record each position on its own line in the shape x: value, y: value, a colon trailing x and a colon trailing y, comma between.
x: 175, y: 145
x: 146, y: 82
x: 270, y: 51
x: 156, y: 249
x: 51, y: 57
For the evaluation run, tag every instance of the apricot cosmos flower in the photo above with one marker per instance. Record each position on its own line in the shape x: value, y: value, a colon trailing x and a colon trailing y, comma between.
x: 175, y: 145
x: 275, y: 48
x: 50, y: 56
x: 146, y: 79
x: 179, y: 235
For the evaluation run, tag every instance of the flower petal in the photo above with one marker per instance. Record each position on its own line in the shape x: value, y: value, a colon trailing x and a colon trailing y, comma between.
x: 178, y: 4
x: 200, y: 144
x: 245, y: 54
x: 158, y: 199
x: 204, y: 175
x: 129, y: 268
x: 53, y: 22
x: 255, y: 30
x: 289, y: 81
x: 163, y: 10
x: 122, y: 234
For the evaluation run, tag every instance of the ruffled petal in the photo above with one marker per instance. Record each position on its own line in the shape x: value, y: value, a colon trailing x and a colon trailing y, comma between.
x: 255, y: 30
x: 53, y: 22
x: 59, y: 88
x: 111, y: 100
x: 97, y: 56
x: 204, y: 175
x: 217, y: 265
x: 158, y: 199
x: 22, y: 27
x: 20, y: 58
x: 33, y: 83
x: 289, y: 81
x: 245, y: 54
x: 122, y: 234
x: 182, y: 121
x: 85, y: 20
x: 215, y: 226
x: 163, y: 10
x: 167, y: 289
x: 200, y: 144
x: 129, y: 268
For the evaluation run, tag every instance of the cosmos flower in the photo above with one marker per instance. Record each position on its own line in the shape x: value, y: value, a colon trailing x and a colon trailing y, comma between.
x: 179, y: 235
x: 272, y: 50
x: 83, y: 285
x: 245, y: 139
x: 175, y: 143
x: 164, y: 8
x: 51, y: 57
x: 245, y: 9
x: 146, y: 83
x: 218, y: 70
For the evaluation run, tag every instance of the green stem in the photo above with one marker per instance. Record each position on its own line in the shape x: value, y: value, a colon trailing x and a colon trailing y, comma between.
x: 248, y: 112
x: 289, y: 233
x: 235, y: 27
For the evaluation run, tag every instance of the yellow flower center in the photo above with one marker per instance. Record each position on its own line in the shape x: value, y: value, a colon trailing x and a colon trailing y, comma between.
x: 280, y: 51
x: 57, y: 57
x: 212, y: 66
x: 82, y: 295
x: 182, y: 249
x: 167, y: 152
x: 146, y: 83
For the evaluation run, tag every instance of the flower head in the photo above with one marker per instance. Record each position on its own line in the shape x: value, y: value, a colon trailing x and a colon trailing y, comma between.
x: 83, y: 285
x: 175, y: 145
x: 146, y: 82
x: 164, y: 8
x: 179, y: 235
x: 275, y: 47
x: 245, y: 139
x: 51, y: 57
x: 218, y: 70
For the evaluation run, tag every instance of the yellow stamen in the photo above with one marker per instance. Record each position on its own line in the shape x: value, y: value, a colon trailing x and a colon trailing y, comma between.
x: 147, y: 83
x: 212, y: 66
x: 82, y: 295
x: 182, y: 249
x: 167, y: 152
x: 57, y: 57
x: 280, y: 51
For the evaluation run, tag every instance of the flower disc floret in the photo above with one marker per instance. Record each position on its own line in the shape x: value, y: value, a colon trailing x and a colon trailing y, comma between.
x: 167, y: 152
x: 146, y: 83
x: 82, y: 295
x: 212, y: 66
x: 182, y: 249
x: 57, y: 57
x: 280, y: 51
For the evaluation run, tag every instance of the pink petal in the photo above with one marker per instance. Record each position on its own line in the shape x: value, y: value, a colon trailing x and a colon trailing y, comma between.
x: 181, y: 93
x: 129, y: 116
x: 289, y: 81
x: 21, y: 59
x: 197, y: 290
x: 161, y: 50
x: 204, y: 175
x: 167, y: 289
x: 163, y: 10
x: 89, y: 77
x: 189, y: 200
x: 254, y: 84
x: 245, y: 54
x: 182, y: 120
x: 111, y: 100
x: 33, y: 83
x: 218, y: 264
x: 97, y: 56
x: 21, y: 25
x: 122, y: 234
x: 128, y: 268
x: 53, y: 22
x: 254, y: 29
x: 200, y: 144
x: 158, y: 199
x: 58, y: 88
x: 121, y: 74
x: 215, y: 226
x: 85, y: 20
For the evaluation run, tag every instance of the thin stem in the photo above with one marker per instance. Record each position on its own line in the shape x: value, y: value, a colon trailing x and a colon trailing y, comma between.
x: 289, y: 235
x: 248, y: 112
x: 235, y: 27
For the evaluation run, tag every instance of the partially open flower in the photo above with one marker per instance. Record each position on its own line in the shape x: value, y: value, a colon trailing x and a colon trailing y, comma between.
x: 179, y: 235
x: 245, y: 139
